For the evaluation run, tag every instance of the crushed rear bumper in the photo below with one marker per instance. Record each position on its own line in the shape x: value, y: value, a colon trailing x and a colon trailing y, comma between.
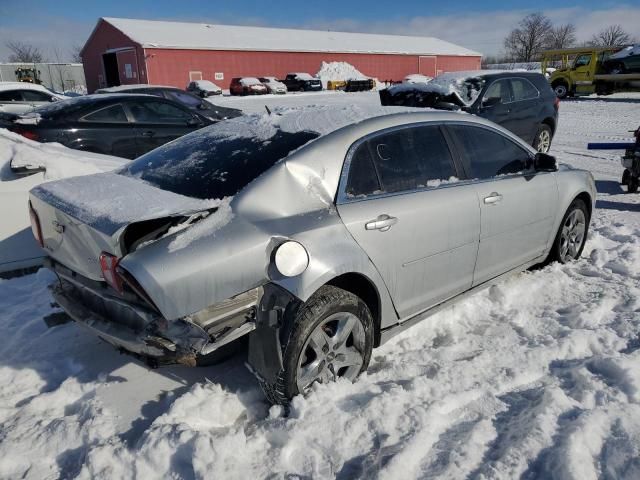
x: 132, y: 328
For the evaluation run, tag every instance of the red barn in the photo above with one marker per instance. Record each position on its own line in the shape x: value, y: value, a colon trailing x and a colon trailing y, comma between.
x: 125, y: 51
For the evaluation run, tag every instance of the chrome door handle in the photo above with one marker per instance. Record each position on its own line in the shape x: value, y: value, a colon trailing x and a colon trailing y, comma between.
x: 493, y: 198
x: 149, y: 133
x: 382, y: 223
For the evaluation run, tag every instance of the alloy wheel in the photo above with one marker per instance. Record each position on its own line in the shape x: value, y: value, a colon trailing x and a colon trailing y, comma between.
x: 572, y: 236
x: 333, y: 350
x: 544, y: 141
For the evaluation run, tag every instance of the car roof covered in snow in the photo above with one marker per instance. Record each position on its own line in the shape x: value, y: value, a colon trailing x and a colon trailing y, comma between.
x: 27, y: 86
x: 121, y: 88
x: 203, y: 36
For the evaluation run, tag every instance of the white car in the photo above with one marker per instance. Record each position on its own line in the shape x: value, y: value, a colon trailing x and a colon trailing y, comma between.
x: 47, y: 161
x: 417, y: 78
x: 21, y: 97
x: 273, y: 85
x: 203, y: 88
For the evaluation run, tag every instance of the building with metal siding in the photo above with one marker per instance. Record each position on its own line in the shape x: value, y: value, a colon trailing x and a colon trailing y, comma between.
x: 125, y: 51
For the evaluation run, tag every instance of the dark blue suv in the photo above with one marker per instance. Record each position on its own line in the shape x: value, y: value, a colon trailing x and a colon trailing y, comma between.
x: 522, y: 102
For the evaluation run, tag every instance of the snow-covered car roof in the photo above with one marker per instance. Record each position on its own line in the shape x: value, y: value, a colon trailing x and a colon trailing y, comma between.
x: 417, y: 78
x: 135, y: 86
x: 304, y: 76
x: 250, y: 81
x: 271, y: 80
x: 28, y: 86
x: 626, y: 52
x: 207, y: 84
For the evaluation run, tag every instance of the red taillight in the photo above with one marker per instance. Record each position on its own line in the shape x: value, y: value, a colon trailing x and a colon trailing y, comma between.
x: 29, y: 134
x: 556, y: 103
x: 108, y: 265
x: 35, y: 226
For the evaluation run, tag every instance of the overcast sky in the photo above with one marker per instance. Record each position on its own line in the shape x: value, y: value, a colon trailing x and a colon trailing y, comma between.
x: 55, y: 27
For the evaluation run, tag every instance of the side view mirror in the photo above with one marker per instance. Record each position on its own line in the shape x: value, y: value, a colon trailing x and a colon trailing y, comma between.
x: 543, y: 162
x: 491, y: 101
x: 194, y: 122
x: 54, y: 99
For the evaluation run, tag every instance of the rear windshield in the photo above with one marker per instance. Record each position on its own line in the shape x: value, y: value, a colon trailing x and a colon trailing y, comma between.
x: 202, y: 165
x: 69, y: 105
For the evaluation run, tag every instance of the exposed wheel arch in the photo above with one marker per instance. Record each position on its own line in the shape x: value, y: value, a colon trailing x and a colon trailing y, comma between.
x: 586, y: 198
x: 364, y: 288
x: 551, y: 123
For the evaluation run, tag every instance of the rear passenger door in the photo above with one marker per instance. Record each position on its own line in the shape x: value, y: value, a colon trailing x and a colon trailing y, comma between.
x: 525, y: 109
x: 104, y: 130
x: 158, y: 122
x: 400, y: 199
x: 517, y: 204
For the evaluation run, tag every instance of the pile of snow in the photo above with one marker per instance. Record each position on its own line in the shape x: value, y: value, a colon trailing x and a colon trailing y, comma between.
x: 77, y: 90
x: 338, y: 71
x: 57, y: 160
x: 627, y: 52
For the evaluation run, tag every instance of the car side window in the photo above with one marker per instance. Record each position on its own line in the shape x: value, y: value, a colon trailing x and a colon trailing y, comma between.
x: 403, y: 160
x: 33, y: 96
x: 158, y: 112
x: 11, y: 96
x: 499, y: 89
x: 111, y: 114
x: 362, y: 180
x: 490, y: 154
x: 582, y: 60
x: 523, y: 89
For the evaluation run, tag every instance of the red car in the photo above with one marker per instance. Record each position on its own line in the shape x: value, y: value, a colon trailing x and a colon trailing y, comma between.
x: 247, y: 86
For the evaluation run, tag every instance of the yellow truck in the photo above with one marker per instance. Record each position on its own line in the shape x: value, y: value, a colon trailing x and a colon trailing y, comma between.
x: 587, y: 70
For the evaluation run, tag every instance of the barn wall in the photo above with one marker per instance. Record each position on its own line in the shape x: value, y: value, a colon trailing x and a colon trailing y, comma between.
x: 106, y: 37
x: 172, y: 66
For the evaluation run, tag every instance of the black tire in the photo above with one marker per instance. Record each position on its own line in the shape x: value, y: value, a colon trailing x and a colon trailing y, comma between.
x: 625, y: 177
x: 561, y: 89
x: 632, y: 186
x: 544, y: 136
x: 327, y: 301
x: 555, y: 255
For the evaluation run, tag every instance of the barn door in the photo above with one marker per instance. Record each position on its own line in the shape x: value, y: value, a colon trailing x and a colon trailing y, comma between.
x: 427, y: 65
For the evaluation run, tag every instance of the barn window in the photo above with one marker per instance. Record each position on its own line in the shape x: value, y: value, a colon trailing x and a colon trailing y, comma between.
x: 195, y: 76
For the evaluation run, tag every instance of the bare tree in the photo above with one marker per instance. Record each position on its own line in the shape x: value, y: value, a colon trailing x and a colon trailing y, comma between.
x: 525, y: 42
x: 562, y: 36
x: 75, y: 53
x: 24, y: 52
x: 612, y: 35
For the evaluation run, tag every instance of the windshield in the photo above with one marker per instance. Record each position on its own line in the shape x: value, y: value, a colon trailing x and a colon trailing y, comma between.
x: 209, y: 165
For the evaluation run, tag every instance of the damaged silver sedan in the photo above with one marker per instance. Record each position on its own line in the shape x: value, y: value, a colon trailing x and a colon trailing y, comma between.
x: 319, y: 232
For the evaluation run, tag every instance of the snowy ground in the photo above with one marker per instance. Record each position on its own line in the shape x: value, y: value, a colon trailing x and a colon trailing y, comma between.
x: 538, y: 377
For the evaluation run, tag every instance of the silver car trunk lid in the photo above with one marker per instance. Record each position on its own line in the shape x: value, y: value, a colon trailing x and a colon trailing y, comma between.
x: 81, y: 217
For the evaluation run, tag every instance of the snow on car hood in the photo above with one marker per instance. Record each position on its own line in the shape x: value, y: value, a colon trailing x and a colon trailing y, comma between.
x: 109, y: 201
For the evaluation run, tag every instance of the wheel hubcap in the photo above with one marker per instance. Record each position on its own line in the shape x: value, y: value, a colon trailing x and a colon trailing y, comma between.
x: 334, y: 349
x: 572, y: 236
x: 561, y: 90
x: 544, y: 141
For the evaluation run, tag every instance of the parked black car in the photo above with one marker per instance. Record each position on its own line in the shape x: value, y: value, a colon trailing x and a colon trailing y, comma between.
x: 189, y: 100
x: 125, y: 125
x: 302, y: 82
x: 522, y: 102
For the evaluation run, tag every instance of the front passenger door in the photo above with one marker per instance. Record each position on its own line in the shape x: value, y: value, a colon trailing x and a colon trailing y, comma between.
x: 403, y: 205
x: 496, y: 105
x: 517, y: 204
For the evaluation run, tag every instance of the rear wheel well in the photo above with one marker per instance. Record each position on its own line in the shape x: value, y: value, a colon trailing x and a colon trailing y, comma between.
x: 363, y: 288
x: 550, y: 123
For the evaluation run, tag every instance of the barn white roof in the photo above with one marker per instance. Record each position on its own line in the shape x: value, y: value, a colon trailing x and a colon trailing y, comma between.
x: 203, y: 36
